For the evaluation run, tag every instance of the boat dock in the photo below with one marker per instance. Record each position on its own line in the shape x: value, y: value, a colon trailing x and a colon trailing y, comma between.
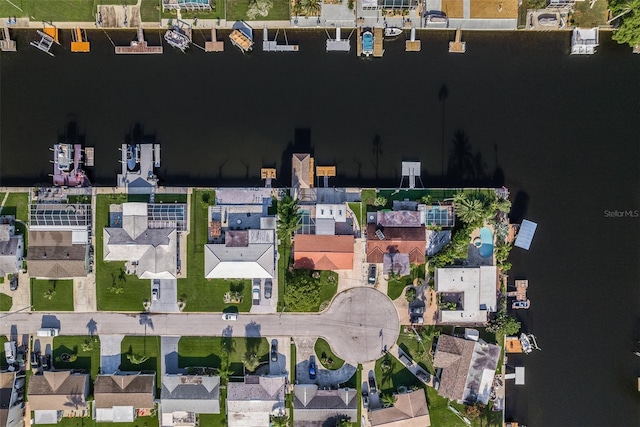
x: 44, y: 44
x: 338, y: 44
x: 413, y: 45
x: 458, y: 46
x: 6, y: 44
x: 214, y: 45
x: 521, y: 290
x: 273, y: 46
x: 138, y: 167
x: 325, y: 172
x: 89, y: 156
x: 179, y: 36
x: 242, y: 36
x: 268, y: 174
x: 138, y: 46
x: 378, y: 39
x: 80, y: 42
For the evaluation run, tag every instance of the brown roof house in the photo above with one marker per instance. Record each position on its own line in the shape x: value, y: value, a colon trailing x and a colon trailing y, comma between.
x: 10, y: 400
x: 149, y: 246
x: 11, y: 247
x: 400, y: 242
x: 302, y: 171
x: 315, y: 252
x: 317, y: 408
x: 410, y: 410
x: 252, y: 402
x: 468, y: 368
x: 119, y: 396
x: 55, y: 391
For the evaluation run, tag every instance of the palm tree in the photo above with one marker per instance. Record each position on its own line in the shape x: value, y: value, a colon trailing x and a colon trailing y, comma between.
x: 344, y: 421
x: 250, y: 362
x: 288, y: 218
x: 224, y: 372
x: 388, y: 399
x: 469, y: 211
x: 461, y: 157
x: 280, y: 420
x: 312, y: 7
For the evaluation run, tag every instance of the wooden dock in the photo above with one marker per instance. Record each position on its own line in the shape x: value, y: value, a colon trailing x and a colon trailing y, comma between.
x: 521, y: 290
x: 139, y: 47
x: 378, y: 39
x: 214, y: 45
x: 89, y: 159
x: 458, y: 46
x: 80, y: 42
x: 413, y: 45
x: 359, y: 42
x: 6, y: 44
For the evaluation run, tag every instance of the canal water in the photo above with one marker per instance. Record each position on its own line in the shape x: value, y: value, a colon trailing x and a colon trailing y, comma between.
x: 560, y: 131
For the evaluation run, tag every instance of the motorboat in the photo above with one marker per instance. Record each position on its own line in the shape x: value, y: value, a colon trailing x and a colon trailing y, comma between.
x: 392, y: 31
x: 176, y: 38
x: 62, y: 157
x: 367, y: 42
x: 521, y: 304
x: 242, y: 36
x: 133, y: 158
x: 526, y: 344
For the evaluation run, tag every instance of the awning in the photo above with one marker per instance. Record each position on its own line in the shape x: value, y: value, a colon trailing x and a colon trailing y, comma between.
x: 525, y: 235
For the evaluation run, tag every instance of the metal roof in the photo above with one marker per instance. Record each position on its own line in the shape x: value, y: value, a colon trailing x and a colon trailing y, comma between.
x: 71, y: 215
x: 525, y: 235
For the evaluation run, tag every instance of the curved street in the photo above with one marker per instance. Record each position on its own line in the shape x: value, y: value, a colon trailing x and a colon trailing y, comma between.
x: 358, y: 325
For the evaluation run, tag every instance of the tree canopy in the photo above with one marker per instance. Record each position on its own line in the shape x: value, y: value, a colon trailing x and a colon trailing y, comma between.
x: 303, y: 291
x: 288, y: 218
x: 628, y: 13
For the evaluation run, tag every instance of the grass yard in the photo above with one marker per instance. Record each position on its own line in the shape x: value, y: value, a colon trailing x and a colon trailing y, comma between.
x: 208, y: 351
x: 17, y: 204
x: 359, y: 214
x: 88, y: 361
x: 396, y: 286
x: 293, y: 357
x: 61, y: 300
x: 5, y: 302
x: 283, y: 265
x: 586, y: 16
x: 150, y: 11
x: 367, y: 196
x: 321, y: 348
x: 389, y: 381
x: 3, y: 360
x: 328, y: 287
x: 237, y: 10
x: 419, y: 350
x: 148, y: 346
x: 57, y: 10
x: 115, y: 289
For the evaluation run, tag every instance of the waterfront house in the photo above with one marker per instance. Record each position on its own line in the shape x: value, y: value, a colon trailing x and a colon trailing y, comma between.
x: 315, y: 407
x: 184, y: 397
x: 466, y: 368
x: 11, y: 399
x: 395, y: 240
x: 59, y: 240
x: 315, y: 252
x: 122, y: 397
x: 410, y: 410
x: 11, y: 247
x: 245, y: 254
x: 466, y: 294
x: 145, y: 235
x: 58, y: 391
x: 252, y: 402
x: 302, y: 171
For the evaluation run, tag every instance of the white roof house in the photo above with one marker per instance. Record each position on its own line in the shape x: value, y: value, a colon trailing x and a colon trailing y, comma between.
x: 252, y: 402
x: 246, y: 254
x: 153, y: 252
x: 11, y: 250
x: 476, y: 287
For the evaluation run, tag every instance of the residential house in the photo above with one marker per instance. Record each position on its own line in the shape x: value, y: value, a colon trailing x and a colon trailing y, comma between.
x: 59, y: 240
x: 11, y: 399
x: 11, y: 247
x: 410, y: 410
x: 251, y: 403
x: 315, y: 252
x: 397, y: 236
x: 145, y: 235
x: 471, y: 289
x: 55, y: 391
x: 119, y: 397
x: 467, y: 368
x: 183, y: 397
x: 316, y: 408
x: 244, y: 254
x: 302, y: 171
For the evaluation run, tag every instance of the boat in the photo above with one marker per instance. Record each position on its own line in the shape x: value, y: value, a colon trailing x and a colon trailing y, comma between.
x: 62, y: 156
x: 176, y: 38
x: 133, y: 156
x: 526, y: 344
x: 242, y: 36
x: 66, y: 166
x: 367, y: 42
x: 392, y: 31
x: 521, y: 304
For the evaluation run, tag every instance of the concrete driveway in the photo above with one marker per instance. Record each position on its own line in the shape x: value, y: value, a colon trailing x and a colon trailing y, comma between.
x: 169, y: 356
x: 110, y: 350
x: 284, y: 356
x: 167, y: 303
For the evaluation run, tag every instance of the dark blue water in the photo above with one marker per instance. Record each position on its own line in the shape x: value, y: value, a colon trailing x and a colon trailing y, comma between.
x: 562, y: 130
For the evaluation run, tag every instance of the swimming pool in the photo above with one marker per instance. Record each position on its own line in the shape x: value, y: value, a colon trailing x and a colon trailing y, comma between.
x: 486, y: 249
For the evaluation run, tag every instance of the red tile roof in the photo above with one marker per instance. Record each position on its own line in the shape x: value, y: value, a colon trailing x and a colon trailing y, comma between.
x: 404, y: 240
x: 315, y: 252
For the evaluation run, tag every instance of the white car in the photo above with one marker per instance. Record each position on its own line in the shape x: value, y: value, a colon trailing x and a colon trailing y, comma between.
x: 229, y: 316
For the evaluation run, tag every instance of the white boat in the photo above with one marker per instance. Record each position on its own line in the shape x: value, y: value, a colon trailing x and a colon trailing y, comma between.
x: 176, y: 38
x: 367, y: 42
x: 526, y: 344
x: 392, y: 31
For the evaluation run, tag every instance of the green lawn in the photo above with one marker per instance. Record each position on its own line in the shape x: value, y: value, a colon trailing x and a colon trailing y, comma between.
x: 3, y: 360
x: 398, y: 375
x: 395, y: 287
x: 321, y: 348
x: 367, y: 196
x: 237, y: 10
x: 293, y: 356
x: 86, y: 360
x: 115, y: 290
x: 418, y: 350
x: 203, y: 294
x: 359, y: 213
x: 586, y: 16
x: 62, y: 300
x: 5, y: 302
x: 150, y: 11
x: 148, y: 346
x: 208, y: 351
x: 56, y: 10
x: 328, y: 287
x: 17, y: 204
x: 283, y: 265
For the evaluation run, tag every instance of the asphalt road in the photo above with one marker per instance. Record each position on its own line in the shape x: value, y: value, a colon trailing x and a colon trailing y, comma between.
x: 358, y: 325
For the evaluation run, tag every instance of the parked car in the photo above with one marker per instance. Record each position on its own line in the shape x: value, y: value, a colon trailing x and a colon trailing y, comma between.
x: 155, y: 290
x: 274, y: 350
x: 45, y: 361
x: 268, y: 287
x: 312, y: 370
x: 373, y: 273
x: 365, y: 399
x: 419, y: 320
x: 372, y: 384
x: 13, y: 282
x: 255, y: 292
x: 35, y: 359
x: 424, y: 376
x: 416, y: 310
x: 229, y: 316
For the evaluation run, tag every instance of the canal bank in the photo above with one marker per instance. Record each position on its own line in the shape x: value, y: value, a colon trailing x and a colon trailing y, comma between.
x: 561, y: 130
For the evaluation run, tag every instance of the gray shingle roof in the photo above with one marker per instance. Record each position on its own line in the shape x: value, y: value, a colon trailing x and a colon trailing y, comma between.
x: 191, y: 393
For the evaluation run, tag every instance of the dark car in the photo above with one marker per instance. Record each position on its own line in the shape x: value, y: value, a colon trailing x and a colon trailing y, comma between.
x: 45, y: 361
x: 365, y: 399
x: 268, y: 286
x: 372, y: 384
x: 312, y: 370
x: 35, y: 359
x: 13, y: 282
x: 416, y: 310
x: 418, y: 320
x: 373, y: 273
x: 274, y: 350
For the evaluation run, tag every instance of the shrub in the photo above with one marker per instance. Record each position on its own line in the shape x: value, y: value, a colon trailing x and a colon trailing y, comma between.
x: 410, y: 294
